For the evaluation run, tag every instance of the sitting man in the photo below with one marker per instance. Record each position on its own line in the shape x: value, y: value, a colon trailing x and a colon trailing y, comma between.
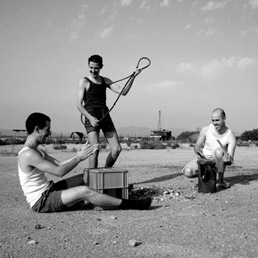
x: 219, y: 145
x: 46, y: 196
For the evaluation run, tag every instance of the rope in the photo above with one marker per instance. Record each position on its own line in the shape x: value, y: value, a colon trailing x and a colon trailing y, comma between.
x: 130, y: 77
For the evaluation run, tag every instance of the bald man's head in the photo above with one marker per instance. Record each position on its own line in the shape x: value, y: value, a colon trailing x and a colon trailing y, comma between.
x: 220, y: 111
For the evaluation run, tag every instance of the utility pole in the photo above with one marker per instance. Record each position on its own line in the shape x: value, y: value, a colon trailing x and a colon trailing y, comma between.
x: 159, y: 125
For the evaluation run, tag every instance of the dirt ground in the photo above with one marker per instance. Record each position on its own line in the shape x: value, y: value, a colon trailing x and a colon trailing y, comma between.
x: 180, y: 223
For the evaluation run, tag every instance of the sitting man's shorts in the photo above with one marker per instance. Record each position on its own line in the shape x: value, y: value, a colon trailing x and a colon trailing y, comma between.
x: 106, y: 125
x: 193, y: 165
x: 50, y: 200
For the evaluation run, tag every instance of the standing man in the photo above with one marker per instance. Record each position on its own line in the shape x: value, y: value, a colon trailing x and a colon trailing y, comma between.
x: 91, y: 103
x: 207, y: 145
x: 47, y: 196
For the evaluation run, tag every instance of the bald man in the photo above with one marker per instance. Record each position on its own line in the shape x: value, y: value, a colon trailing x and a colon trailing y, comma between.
x: 207, y: 145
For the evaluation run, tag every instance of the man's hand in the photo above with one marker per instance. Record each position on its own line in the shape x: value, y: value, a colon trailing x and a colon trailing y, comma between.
x: 228, y: 160
x: 87, y: 150
x: 137, y: 71
x: 200, y: 154
x: 93, y: 120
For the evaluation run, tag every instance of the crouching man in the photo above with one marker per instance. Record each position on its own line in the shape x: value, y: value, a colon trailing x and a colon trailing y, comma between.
x: 219, y: 145
x: 47, y: 196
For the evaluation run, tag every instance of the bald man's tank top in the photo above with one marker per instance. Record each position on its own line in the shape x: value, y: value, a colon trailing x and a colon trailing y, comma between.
x: 211, y: 143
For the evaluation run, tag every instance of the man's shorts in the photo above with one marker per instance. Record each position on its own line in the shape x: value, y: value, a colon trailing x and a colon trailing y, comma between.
x: 106, y: 125
x: 192, y: 164
x: 50, y: 200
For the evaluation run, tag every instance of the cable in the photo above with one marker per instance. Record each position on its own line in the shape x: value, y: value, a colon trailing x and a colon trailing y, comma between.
x: 124, y: 89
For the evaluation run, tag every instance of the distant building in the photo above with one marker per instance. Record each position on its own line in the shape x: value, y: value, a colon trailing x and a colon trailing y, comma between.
x: 161, y: 134
x: 79, y: 134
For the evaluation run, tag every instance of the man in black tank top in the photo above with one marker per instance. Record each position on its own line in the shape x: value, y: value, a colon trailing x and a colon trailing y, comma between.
x: 91, y: 103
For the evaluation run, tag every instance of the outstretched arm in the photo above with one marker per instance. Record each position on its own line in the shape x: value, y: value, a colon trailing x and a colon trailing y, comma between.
x: 229, y: 156
x: 125, y: 89
x: 52, y: 166
x: 200, y: 141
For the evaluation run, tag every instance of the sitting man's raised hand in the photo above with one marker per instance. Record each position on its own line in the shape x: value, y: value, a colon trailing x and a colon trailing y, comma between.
x: 87, y: 150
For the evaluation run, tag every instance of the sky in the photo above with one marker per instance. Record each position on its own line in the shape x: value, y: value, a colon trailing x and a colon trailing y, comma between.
x: 203, y: 55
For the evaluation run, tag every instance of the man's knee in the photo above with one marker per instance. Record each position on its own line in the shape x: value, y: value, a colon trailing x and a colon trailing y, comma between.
x: 219, y: 154
x: 116, y: 150
x: 189, y: 172
x: 86, y: 191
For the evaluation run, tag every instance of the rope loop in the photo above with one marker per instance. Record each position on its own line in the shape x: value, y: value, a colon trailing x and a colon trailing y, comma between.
x: 144, y: 67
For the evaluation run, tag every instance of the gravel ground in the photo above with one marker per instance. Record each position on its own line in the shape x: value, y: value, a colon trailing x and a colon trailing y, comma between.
x: 180, y: 223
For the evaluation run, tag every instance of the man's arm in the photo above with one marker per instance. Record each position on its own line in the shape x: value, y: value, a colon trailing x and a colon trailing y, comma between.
x: 50, y: 165
x: 229, y: 156
x: 117, y: 88
x: 51, y: 159
x: 55, y: 161
x: 200, y: 140
x: 113, y: 86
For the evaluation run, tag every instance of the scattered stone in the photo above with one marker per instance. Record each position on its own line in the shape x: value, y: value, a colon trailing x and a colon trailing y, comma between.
x: 160, y: 194
x: 134, y: 243
x: 98, y: 219
x: 190, y: 197
x: 38, y: 226
x: 96, y: 243
x: 113, y: 217
x: 32, y: 242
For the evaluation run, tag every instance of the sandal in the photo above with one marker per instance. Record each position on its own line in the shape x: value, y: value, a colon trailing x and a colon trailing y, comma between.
x: 224, y: 185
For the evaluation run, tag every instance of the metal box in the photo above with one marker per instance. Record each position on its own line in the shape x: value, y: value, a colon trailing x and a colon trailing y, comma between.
x: 111, y: 181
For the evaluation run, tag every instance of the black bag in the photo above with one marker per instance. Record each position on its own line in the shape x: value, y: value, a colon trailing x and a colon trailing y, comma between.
x: 206, y: 176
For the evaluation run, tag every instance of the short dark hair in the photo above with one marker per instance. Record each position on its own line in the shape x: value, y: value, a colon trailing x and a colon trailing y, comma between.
x: 96, y: 59
x: 36, y: 119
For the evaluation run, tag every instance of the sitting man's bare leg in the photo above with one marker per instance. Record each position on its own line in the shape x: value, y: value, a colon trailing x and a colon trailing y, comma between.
x: 191, y: 169
x: 73, y: 195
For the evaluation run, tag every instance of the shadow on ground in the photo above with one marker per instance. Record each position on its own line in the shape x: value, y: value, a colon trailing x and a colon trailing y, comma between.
x: 160, y: 179
x: 244, y: 178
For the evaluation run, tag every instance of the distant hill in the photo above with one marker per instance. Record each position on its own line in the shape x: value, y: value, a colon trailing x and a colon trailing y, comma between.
x: 6, y: 132
x: 133, y: 131
x: 11, y: 133
x: 176, y: 131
